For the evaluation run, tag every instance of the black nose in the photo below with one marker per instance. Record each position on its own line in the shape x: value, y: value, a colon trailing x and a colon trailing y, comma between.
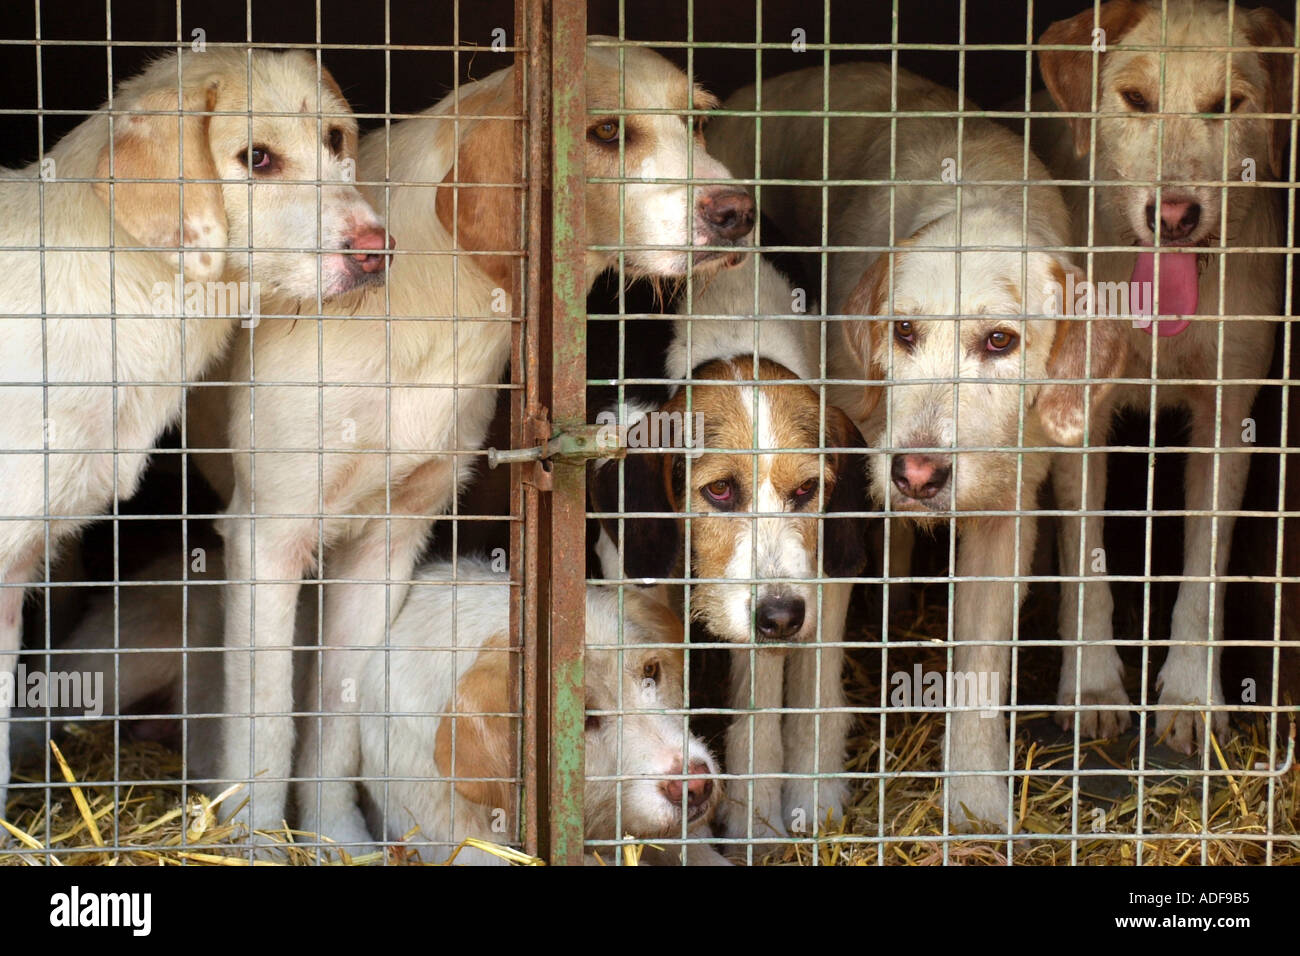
x: 1178, y: 219
x: 728, y: 212
x: 779, y: 618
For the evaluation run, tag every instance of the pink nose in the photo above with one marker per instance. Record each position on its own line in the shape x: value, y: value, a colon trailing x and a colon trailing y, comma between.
x: 919, y: 476
x: 371, y: 237
x: 698, y: 789
x: 1178, y: 218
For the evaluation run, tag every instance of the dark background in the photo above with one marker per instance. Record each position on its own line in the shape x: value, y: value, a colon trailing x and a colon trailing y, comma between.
x: 75, y: 77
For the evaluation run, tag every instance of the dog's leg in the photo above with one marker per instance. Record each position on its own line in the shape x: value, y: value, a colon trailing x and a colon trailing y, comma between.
x: 902, y: 542
x: 259, y: 665
x: 763, y: 747
x: 1191, y: 671
x: 356, y: 616
x: 15, y: 579
x: 985, y: 611
x: 815, y: 741
x: 1088, y: 666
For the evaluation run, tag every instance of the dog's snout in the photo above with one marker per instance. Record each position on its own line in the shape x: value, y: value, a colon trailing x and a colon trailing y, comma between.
x: 371, y: 237
x: 779, y: 618
x: 729, y: 213
x: 919, y: 476
x: 698, y: 787
x: 1178, y: 219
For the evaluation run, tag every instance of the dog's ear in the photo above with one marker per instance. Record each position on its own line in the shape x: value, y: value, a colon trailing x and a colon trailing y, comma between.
x: 1095, y: 349
x: 152, y: 145
x: 1266, y: 28
x: 484, y: 745
x: 651, y: 546
x: 485, y: 218
x: 865, y: 338
x: 1068, y: 73
x: 845, y: 538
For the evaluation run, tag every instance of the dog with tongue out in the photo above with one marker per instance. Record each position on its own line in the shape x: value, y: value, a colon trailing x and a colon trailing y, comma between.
x: 1175, y: 142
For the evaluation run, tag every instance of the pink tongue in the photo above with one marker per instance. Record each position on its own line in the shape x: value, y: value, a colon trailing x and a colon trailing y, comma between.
x: 1178, y: 289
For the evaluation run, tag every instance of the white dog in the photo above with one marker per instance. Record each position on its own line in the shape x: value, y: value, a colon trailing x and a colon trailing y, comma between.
x: 1155, y: 147
x: 963, y: 373
x: 350, y: 467
x: 96, y: 268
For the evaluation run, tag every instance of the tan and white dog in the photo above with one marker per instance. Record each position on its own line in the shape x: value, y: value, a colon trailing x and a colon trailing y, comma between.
x: 773, y: 525
x: 1164, y: 146
x: 115, y: 299
x: 445, y: 758
x: 958, y: 325
x: 355, y: 448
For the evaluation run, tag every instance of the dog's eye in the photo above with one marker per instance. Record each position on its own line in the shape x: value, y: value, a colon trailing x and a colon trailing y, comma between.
x: 336, y: 140
x: 650, y: 671
x: 719, y: 491
x: 905, y: 332
x: 805, y: 491
x: 593, y: 722
x: 1000, y: 340
x: 259, y: 159
x: 1219, y: 105
x: 605, y: 132
x: 1134, y: 99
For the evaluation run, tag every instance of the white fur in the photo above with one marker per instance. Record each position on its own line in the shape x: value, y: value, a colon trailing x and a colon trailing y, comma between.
x: 99, y: 327
x: 996, y: 289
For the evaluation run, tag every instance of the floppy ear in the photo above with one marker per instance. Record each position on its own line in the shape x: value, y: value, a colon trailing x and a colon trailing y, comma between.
x: 651, y: 546
x: 1061, y: 407
x: 485, y: 746
x: 846, y: 537
x: 152, y: 147
x: 1266, y: 28
x: 655, y: 615
x: 864, y: 338
x: 484, y: 218
x: 1068, y: 73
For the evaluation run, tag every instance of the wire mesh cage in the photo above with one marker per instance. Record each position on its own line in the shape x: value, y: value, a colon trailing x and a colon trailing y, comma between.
x: 582, y: 432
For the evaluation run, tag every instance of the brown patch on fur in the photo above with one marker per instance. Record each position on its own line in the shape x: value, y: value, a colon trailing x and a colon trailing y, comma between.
x: 149, y: 147
x: 866, y: 339
x: 484, y: 745
x: 1068, y: 73
x: 655, y: 617
x: 1266, y: 28
x: 1061, y: 407
x: 484, y: 219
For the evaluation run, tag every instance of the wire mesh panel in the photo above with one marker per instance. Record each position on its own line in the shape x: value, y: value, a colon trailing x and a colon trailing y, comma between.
x: 1047, y: 331
x: 287, y: 252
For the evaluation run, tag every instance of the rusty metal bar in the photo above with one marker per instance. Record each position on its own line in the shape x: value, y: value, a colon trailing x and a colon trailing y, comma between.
x: 522, y: 609
x: 569, y: 410
x: 525, y: 482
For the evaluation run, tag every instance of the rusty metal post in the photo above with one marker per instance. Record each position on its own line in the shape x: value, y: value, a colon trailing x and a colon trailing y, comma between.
x: 569, y: 412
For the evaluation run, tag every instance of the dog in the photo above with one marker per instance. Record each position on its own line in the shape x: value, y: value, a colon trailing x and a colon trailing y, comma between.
x: 448, y: 747
x: 958, y: 373
x: 98, y: 265
x: 770, y: 533
x: 1206, y: 361
x: 381, y: 448
x: 438, y: 687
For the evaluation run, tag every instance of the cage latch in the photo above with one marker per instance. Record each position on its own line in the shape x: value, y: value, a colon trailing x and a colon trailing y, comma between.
x: 570, y: 442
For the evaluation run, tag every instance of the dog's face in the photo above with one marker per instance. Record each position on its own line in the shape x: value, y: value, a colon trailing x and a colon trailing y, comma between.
x: 1184, y: 128
x: 289, y: 130
x: 655, y: 147
x: 755, y: 515
x: 640, y: 675
x: 955, y: 372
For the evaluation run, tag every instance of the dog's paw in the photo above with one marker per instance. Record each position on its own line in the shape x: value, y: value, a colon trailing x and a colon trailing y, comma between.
x: 977, y: 803
x: 1184, y: 730
x: 804, y: 817
x: 344, y: 829
x: 1100, y: 682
